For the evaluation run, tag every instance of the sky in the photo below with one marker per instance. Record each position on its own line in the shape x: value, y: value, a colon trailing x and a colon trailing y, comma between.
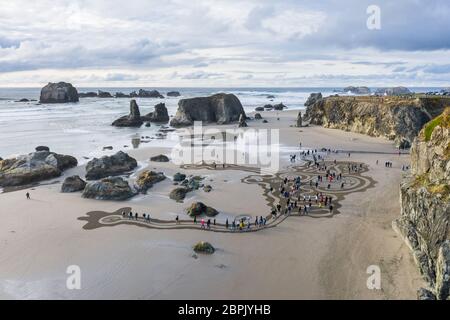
x: 217, y: 43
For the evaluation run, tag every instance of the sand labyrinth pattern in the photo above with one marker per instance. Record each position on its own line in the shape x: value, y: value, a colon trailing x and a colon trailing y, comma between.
x: 353, y: 180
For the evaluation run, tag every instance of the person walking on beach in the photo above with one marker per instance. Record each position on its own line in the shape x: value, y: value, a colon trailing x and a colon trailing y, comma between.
x: 202, y: 223
x: 177, y: 220
x: 28, y: 196
x: 226, y: 224
x: 195, y: 219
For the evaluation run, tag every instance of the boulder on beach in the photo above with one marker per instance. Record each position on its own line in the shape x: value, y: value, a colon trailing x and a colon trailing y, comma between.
x: 23, y: 100
x: 178, y: 193
x: 258, y: 116
x: 279, y: 106
x: 204, y: 247
x: 173, y: 94
x: 34, y: 167
x: 313, y: 98
x: 61, y: 92
x: 179, y: 177
x: 220, y: 108
x: 160, y: 158
x: 116, y: 164
x: 147, y: 179
x: 268, y: 107
x: 111, y: 188
x: 131, y: 120
x: 73, y: 184
x: 159, y: 115
x: 207, y: 188
x: 242, y: 123
x: 259, y: 108
x: 270, y: 96
x: 199, y: 208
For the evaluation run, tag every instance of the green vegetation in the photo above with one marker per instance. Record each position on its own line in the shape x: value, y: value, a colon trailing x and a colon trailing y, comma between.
x: 443, y: 120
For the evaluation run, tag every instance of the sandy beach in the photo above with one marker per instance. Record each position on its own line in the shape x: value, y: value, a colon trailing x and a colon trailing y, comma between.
x: 300, y: 258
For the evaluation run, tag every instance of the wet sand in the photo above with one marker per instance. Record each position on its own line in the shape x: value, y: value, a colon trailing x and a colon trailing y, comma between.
x: 300, y: 258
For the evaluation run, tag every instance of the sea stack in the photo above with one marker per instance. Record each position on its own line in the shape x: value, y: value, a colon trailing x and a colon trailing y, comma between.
x: 132, y: 120
x: 220, y: 108
x: 61, y: 92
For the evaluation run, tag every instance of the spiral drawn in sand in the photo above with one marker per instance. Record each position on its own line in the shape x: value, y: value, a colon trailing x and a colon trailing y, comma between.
x: 353, y: 181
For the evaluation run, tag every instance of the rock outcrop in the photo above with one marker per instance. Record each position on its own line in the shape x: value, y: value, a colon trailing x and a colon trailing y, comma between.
x: 131, y: 120
x: 313, y: 98
x: 147, y: 179
x: 61, y: 92
x: 425, y: 205
x: 73, y: 184
x: 394, y: 91
x: 104, y: 94
x: 258, y: 116
x: 34, y: 167
x: 396, y: 118
x: 149, y: 94
x: 111, y: 188
x: 357, y: 90
x: 173, y: 94
x: 279, y: 106
x: 106, y: 166
x: 220, y: 108
x: 159, y: 115
x: 299, y: 122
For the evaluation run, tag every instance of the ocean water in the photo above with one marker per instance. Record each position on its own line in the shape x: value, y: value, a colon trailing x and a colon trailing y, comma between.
x: 82, y: 129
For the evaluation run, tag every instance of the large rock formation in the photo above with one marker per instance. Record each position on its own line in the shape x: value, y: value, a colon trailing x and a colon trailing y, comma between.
x: 425, y: 204
x: 159, y: 115
x: 73, y: 184
x: 111, y: 188
x: 116, y: 164
x: 149, y: 94
x: 60, y: 92
x: 173, y: 94
x: 396, y: 118
x: 313, y: 98
x: 147, y: 179
x: 34, y: 167
x: 357, y: 90
x: 220, y: 108
x: 394, y: 91
x: 131, y: 120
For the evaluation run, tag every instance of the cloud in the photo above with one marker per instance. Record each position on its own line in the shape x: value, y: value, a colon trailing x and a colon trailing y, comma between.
x: 222, y: 42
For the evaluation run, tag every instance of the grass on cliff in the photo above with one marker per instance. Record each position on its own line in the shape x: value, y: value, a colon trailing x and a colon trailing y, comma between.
x: 443, y: 121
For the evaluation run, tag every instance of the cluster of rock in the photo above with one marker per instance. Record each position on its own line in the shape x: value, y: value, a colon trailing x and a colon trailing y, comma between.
x: 134, y: 119
x: 219, y: 108
x: 61, y: 92
x: 140, y: 94
x: 73, y: 184
x: 186, y: 185
x: 34, y: 167
x: 398, y: 119
x: 425, y: 206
